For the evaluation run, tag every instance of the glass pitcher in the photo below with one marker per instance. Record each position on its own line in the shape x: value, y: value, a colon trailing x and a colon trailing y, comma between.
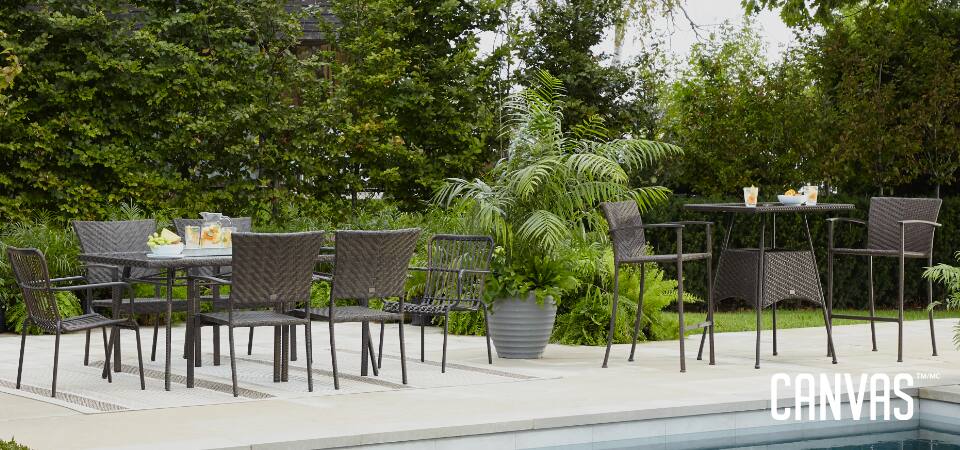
x: 211, y: 234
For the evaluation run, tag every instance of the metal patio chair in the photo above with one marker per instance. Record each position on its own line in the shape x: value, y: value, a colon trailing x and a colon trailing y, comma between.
x: 368, y: 265
x: 456, y: 269
x: 218, y: 301
x: 630, y: 247
x: 121, y: 236
x: 40, y: 296
x: 899, y: 228
x: 268, y: 269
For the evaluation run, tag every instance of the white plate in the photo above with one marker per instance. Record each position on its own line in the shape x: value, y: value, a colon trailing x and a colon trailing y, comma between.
x: 155, y: 256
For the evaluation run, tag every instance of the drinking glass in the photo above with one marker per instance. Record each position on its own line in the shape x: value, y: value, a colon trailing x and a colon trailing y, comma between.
x: 227, y: 233
x: 191, y: 238
x: 750, y: 196
x: 811, y: 192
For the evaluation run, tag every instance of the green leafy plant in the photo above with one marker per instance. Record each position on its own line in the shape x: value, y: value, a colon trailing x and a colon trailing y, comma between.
x: 12, y: 445
x: 541, y: 199
x: 949, y: 277
x: 67, y: 303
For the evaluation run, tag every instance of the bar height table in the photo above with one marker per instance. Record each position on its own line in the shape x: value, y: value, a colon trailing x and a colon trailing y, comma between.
x: 765, y: 275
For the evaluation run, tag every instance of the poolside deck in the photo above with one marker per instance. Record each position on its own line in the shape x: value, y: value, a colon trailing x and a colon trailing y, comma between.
x: 563, y: 399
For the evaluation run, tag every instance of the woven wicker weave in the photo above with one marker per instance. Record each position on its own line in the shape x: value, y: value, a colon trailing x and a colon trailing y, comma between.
x: 787, y: 275
x: 30, y: 271
x: 630, y: 247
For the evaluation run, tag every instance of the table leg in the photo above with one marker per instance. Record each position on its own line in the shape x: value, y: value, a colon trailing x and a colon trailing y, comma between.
x: 117, y: 366
x: 191, y: 331
x: 276, y: 354
x: 826, y: 309
x: 759, y: 303
x: 166, y: 376
x: 285, y: 353
x: 773, y: 245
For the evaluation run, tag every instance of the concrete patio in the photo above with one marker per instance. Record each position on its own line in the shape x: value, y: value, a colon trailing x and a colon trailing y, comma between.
x: 563, y: 399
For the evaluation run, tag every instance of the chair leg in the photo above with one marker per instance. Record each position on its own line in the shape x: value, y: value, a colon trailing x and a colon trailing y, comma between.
x: 56, y: 363
x: 333, y: 358
x: 293, y: 343
x: 710, y: 310
x: 108, y: 354
x: 156, y: 332
x: 23, y: 344
x: 103, y: 332
x: 143, y: 382
x: 613, y: 312
x: 308, y: 337
x: 86, y: 350
x: 933, y: 335
x: 250, y: 343
x: 826, y: 322
x: 422, y: 336
x: 900, y: 310
x: 373, y: 356
x: 873, y: 308
x: 774, y: 329
x: 446, y: 326
x: 380, y: 355
x: 829, y: 299
x: 233, y: 360
x: 636, y: 323
x: 403, y: 353
x: 216, y: 344
x: 683, y: 337
x: 486, y: 332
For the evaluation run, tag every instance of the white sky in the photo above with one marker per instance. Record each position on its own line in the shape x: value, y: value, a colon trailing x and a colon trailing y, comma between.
x: 709, y: 14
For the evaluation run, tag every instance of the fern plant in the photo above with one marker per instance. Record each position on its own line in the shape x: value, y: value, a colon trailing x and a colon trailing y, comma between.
x: 949, y: 277
x: 540, y: 201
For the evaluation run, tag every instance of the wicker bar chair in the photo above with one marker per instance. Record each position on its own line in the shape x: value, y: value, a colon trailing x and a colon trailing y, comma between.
x: 121, y: 236
x: 368, y: 264
x: 40, y: 296
x: 274, y: 269
x: 456, y: 269
x: 899, y: 228
x: 630, y: 247
x: 218, y: 301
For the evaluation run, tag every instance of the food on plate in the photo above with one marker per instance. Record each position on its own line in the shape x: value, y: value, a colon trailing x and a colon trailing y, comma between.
x: 791, y: 193
x: 164, y: 237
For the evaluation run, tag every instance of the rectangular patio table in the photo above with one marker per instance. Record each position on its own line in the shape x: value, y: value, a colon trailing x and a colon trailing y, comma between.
x: 764, y: 275
x: 169, y: 267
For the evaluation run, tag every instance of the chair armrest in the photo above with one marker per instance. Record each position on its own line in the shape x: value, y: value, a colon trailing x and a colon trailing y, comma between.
x: 66, y: 279
x: 694, y: 222
x: 320, y: 276
x: 78, y: 287
x: 418, y: 269
x: 919, y: 222
x: 662, y: 225
x: 210, y: 279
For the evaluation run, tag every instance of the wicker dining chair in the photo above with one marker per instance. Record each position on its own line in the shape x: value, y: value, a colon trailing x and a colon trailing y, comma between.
x: 368, y: 265
x: 121, y: 236
x: 456, y: 269
x: 40, y: 296
x: 217, y: 301
x: 630, y: 247
x: 274, y: 269
x: 901, y: 228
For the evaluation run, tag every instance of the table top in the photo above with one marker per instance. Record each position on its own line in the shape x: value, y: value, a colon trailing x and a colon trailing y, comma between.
x: 140, y: 259
x: 767, y: 207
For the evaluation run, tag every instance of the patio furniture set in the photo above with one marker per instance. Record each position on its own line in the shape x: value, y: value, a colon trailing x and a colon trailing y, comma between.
x: 269, y: 279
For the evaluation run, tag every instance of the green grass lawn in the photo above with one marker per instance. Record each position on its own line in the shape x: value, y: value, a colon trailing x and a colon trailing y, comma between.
x: 800, y: 318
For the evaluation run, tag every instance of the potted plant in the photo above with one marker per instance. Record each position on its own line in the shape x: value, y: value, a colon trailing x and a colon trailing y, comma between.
x: 540, y: 201
x: 949, y: 277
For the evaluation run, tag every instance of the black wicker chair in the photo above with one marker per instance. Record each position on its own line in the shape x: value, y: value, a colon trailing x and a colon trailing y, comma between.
x: 121, y: 236
x: 368, y: 264
x: 40, y: 296
x: 630, y: 247
x: 899, y: 228
x: 455, y: 273
x: 219, y: 302
x: 274, y: 269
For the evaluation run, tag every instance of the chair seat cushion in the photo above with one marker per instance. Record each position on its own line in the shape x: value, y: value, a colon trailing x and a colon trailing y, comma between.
x: 251, y: 318
x: 144, y: 305
x: 88, y: 321
x: 877, y: 252
x: 351, y: 314
x: 666, y: 258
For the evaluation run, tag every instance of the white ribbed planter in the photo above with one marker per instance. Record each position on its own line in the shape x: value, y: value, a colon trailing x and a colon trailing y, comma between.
x: 520, y: 328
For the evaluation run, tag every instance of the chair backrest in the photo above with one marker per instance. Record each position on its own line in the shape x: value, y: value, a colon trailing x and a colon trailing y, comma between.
x: 30, y: 270
x: 447, y: 255
x: 111, y: 237
x: 627, y: 242
x: 883, y: 231
x: 243, y: 225
x: 372, y: 264
x: 273, y: 268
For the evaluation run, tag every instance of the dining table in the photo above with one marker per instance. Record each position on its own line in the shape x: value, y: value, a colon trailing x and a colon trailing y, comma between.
x: 768, y: 274
x: 167, y: 270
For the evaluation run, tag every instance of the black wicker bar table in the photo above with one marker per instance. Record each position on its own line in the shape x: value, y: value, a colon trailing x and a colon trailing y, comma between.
x: 169, y: 268
x: 767, y: 274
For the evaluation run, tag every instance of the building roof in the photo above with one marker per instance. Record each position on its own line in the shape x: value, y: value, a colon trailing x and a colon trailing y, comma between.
x: 317, y: 10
